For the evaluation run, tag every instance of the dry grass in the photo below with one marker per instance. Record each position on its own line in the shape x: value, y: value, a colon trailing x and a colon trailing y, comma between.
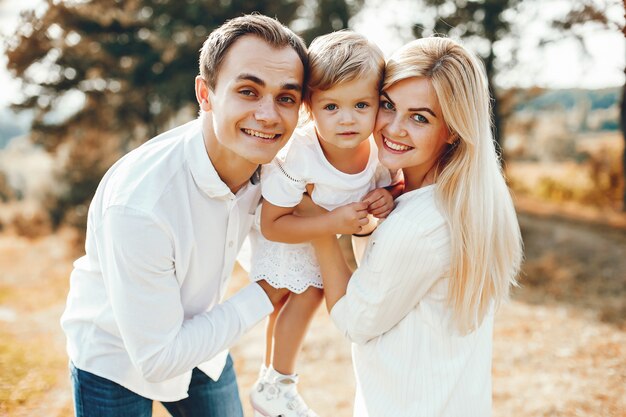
x: 560, y: 346
x: 594, y: 178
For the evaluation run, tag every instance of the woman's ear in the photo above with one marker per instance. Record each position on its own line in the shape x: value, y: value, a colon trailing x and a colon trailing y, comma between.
x: 453, y: 138
x: 202, y: 94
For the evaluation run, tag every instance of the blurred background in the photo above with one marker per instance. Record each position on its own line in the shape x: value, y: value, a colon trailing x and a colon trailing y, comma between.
x: 83, y: 82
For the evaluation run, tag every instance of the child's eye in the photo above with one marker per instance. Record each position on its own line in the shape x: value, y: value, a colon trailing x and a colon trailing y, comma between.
x: 386, y: 105
x: 330, y: 107
x: 362, y: 105
x: 419, y: 118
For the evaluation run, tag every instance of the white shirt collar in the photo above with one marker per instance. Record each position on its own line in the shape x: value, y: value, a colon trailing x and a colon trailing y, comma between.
x: 202, y: 170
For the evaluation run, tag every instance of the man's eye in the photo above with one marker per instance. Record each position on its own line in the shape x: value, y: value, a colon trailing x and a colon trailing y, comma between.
x: 287, y: 99
x: 247, y: 93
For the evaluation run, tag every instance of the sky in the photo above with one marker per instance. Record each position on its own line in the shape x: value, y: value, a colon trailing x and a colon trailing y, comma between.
x: 557, y: 65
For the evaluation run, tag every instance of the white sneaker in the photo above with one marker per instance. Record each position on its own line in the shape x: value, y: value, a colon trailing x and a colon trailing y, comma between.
x: 261, y: 378
x: 277, y: 396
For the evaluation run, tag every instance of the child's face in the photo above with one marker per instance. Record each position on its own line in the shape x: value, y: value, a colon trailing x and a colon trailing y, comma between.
x: 344, y: 115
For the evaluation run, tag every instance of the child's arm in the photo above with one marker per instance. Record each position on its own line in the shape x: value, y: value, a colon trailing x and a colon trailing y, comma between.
x: 280, y: 224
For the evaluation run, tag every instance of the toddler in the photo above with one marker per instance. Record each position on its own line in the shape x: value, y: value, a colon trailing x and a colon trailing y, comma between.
x: 333, y: 158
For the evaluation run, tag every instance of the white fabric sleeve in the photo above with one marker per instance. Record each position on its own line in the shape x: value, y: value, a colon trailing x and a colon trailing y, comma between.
x: 137, y: 259
x: 284, y: 180
x: 385, y: 177
x: 399, y: 266
x: 382, y: 176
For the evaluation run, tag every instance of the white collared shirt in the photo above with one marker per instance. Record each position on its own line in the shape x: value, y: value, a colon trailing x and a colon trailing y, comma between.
x: 163, y: 232
x: 409, y: 359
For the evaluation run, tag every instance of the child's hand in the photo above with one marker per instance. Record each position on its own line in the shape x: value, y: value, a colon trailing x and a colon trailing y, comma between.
x: 349, y: 219
x: 379, y: 202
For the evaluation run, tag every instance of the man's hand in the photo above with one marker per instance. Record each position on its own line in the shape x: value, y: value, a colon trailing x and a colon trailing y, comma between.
x: 349, y: 219
x: 379, y: 202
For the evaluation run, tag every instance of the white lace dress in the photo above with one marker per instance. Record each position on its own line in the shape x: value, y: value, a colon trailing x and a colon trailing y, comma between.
x: 283, y: 182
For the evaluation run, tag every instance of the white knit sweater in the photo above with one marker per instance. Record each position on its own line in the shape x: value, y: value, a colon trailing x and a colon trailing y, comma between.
x: 409, y: 360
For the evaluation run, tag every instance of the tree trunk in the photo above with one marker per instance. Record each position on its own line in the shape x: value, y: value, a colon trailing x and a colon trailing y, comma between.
x: 497, y: 118
x: 622, y: 120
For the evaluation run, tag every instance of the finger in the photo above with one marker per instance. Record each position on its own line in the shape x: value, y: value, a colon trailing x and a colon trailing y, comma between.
x: 379, y: 211
x: 377, y: 204
x: 360, y: 206
x: 364, y: 221
x: 382, y: 215
x: 371, y: 193
x: 371, y: 197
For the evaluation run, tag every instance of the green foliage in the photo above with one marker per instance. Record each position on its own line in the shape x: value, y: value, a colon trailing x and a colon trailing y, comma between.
x: 103, y: 76
x: 484, y: 21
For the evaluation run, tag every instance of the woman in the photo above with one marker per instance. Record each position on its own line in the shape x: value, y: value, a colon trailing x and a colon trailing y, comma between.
x: 419, y: 309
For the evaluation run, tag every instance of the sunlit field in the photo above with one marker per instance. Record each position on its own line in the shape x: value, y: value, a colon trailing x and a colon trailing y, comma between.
x: 560, y: 345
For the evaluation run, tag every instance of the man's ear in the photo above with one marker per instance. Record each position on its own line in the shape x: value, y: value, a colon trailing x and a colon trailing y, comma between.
x: 202, y: 94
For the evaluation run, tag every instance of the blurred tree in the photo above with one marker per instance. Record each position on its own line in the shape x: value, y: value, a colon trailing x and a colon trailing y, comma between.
x: 330, y: 15
x: 590, y: 12
x: 105, y: 75
x: 484, y: 22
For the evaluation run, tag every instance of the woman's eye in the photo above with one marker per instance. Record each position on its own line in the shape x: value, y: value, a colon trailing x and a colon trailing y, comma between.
x: 386, y: 105
x: 419, y: 118
x: 330, y: 107
x: 362, y: 105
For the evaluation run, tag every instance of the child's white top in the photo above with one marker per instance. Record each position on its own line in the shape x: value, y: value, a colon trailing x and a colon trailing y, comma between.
x: 283, y: 182
x: 302, y: 162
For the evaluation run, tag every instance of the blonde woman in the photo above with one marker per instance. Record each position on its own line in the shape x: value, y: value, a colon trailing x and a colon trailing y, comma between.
x: 419, y: 309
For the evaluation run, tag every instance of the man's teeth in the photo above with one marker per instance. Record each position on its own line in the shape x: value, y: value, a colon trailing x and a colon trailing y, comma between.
x: 259, y: 134
x: 396, y: 146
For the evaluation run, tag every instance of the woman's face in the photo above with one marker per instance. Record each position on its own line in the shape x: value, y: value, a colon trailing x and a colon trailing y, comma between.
x: 410, y: 131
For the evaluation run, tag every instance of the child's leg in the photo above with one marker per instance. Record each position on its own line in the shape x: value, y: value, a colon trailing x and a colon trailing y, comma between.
x: 269, y: 331
x: 291, y: 326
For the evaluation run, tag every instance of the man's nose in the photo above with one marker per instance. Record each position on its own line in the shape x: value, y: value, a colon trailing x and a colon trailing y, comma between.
x: 267, y: 112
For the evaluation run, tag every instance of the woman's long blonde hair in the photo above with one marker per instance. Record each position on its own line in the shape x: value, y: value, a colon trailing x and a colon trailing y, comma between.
x: 471, y: 190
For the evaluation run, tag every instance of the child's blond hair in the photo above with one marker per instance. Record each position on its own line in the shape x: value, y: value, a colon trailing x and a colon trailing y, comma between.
x: 339, y: 57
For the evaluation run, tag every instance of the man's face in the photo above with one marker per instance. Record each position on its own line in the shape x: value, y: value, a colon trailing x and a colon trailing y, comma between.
x: 254, y: 105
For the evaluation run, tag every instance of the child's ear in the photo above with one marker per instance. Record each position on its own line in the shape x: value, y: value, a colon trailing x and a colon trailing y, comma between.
x: 202, y: 94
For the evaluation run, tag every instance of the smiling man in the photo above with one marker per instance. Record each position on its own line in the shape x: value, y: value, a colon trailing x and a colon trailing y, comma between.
x: 145, y: 319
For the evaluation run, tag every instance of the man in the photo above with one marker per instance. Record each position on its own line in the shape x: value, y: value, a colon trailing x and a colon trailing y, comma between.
x: 143, y: 319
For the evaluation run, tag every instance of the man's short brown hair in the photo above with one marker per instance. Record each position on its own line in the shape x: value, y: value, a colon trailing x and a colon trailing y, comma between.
x: 221, y: 39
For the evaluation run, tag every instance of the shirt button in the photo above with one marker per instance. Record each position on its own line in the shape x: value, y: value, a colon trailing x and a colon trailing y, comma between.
x: 230, y: 244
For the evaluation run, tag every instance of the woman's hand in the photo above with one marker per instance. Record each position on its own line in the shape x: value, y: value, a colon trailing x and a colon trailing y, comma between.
x: 379, y: 202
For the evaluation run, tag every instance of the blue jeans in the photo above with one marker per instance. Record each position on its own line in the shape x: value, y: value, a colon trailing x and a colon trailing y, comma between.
x: 95, y: 396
